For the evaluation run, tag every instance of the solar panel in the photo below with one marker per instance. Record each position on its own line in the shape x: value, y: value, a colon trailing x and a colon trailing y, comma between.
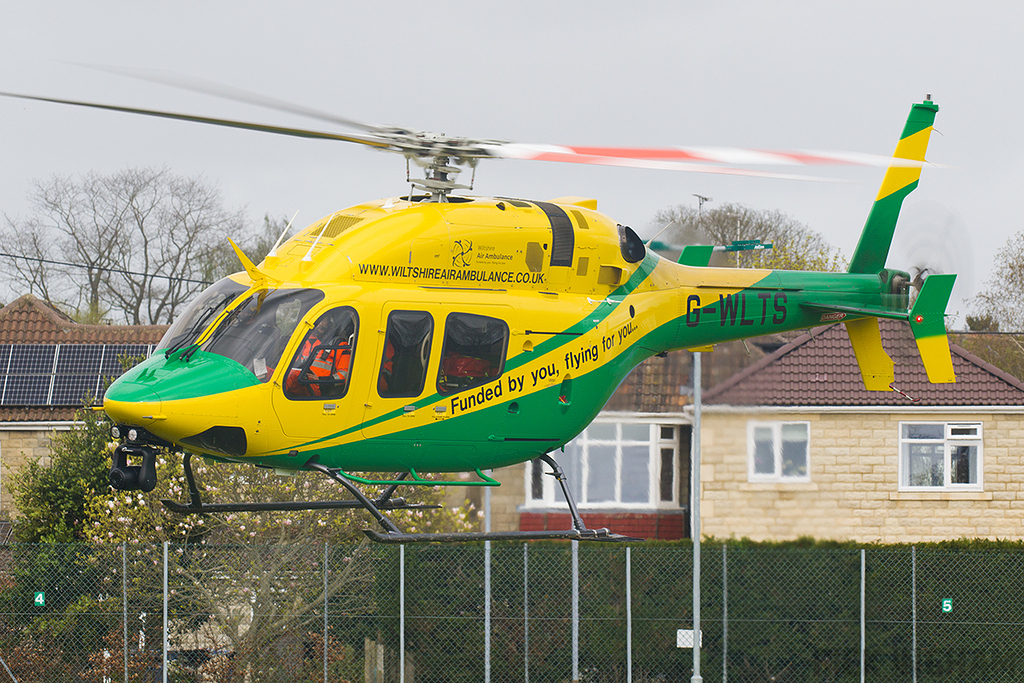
x: 62, y: 374
x: 113, y: 353
x: 32, y: 360
x: 79, y: 359
x: 5, y: 362
x: 27, y: 390
x: 74, y: 389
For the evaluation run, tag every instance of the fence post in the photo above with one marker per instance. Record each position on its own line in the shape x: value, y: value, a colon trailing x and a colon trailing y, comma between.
x: 487, y: 612
x: 325, y: 611
x: 862, y: 616
x: 401, y: 613
x: 913, y: 610
x: 629, y: 618
x: 695, y: 515
x: 526, y: 614
x: 487, y: 585
x: 575, y: 611
x: 725, y: 617
x: 166, y: 544
x: 124, y: 603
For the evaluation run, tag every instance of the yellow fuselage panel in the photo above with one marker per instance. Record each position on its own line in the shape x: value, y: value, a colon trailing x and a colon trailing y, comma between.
x: 467, y: 245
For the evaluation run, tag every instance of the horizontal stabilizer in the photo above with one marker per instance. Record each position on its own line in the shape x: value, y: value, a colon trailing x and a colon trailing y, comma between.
x: 928, y: 323
x: 696, y: 255
x: 876, y: 367
x: 829, y: 311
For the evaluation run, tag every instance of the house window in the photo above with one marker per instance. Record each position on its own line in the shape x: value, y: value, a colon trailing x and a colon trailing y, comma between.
x: 778, y: 451
x: 941, y: 455
x: 613, y: 464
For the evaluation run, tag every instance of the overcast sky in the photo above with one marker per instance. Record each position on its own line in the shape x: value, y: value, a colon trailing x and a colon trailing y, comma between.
x: 776, y: 75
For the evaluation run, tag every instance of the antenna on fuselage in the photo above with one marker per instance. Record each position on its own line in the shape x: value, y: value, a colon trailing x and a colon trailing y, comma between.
x: 309, y: 254
x: 273, y: 250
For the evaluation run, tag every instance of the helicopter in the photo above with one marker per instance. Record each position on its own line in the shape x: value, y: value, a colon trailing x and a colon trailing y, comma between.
x: 439, y: 332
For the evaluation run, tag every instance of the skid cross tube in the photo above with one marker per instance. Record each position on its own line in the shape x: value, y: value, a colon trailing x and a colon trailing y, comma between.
x: 196, y: 506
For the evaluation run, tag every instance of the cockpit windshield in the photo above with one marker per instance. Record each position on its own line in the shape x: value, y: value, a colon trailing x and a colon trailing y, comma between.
x: 256, y: 331
x: 203, y: 310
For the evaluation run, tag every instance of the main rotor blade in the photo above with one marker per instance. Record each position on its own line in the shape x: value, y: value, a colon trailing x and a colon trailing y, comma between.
x: 679, y: 158
x: 228, y: 123
x: 227, y: 92
x: 652, y: 163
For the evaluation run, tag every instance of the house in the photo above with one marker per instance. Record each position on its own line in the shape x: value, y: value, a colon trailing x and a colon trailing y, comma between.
x: 49, y: 364
x: 795, y: 446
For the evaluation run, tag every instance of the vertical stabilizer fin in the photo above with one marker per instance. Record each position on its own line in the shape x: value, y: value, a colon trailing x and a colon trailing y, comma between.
x: 876, y: 367
x: 928, y: 323
x: 899, y: 181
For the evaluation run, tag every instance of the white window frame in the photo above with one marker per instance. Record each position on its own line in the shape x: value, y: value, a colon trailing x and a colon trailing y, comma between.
x: 776, y: 476
x: 579, y: 474
x: 950, y: 440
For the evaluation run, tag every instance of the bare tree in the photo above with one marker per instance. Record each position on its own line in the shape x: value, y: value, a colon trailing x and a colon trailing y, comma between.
x: 1002, y: 300
x: 794, y: 245
x: 132, y: 247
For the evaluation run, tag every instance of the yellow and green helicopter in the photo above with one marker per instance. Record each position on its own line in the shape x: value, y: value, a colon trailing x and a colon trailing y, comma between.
x: 438, y: 333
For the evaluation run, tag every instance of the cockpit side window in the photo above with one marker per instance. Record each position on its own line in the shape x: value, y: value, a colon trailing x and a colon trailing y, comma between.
x: 473, y: 352
x: 257, y: 330
x: 321, y: 366
x: 403, y: 366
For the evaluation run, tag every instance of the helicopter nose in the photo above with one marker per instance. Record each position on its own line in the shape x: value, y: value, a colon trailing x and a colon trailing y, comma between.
x: 132, y: 403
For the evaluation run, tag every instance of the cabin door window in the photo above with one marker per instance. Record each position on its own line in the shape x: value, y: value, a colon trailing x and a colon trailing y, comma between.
x: 406, y: 354
x: 473, y: 353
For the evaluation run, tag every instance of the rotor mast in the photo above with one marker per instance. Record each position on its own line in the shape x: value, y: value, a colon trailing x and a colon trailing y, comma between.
x: 439, y: 174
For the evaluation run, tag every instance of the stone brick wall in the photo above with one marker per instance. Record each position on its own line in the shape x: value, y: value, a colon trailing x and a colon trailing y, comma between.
x: 854, y: 489
x: 18, y: 447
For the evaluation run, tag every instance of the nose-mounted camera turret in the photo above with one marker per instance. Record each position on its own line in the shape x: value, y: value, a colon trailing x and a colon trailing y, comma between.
x: 134, y: 460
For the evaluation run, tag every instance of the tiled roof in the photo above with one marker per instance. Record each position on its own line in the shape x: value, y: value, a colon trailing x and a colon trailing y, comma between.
x: 654, y: 386
x: 664, y: 384
x: 30, y: 321
x: 38, y: 413
x: 820, y: 369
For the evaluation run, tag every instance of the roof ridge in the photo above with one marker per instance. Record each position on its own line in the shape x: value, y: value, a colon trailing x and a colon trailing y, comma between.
x: 29, y: 320
x: 58, y: 318
x: 986, y: 366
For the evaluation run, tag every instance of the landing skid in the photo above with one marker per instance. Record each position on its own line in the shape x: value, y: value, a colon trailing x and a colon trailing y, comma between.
x: 458, y: 537
x: 391, y: 533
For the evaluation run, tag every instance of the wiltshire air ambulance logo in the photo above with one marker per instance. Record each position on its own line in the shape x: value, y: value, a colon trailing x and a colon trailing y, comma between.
x: 462, y: 253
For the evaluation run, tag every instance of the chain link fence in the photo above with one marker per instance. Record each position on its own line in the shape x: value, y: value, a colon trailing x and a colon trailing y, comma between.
x: 504, y: 612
